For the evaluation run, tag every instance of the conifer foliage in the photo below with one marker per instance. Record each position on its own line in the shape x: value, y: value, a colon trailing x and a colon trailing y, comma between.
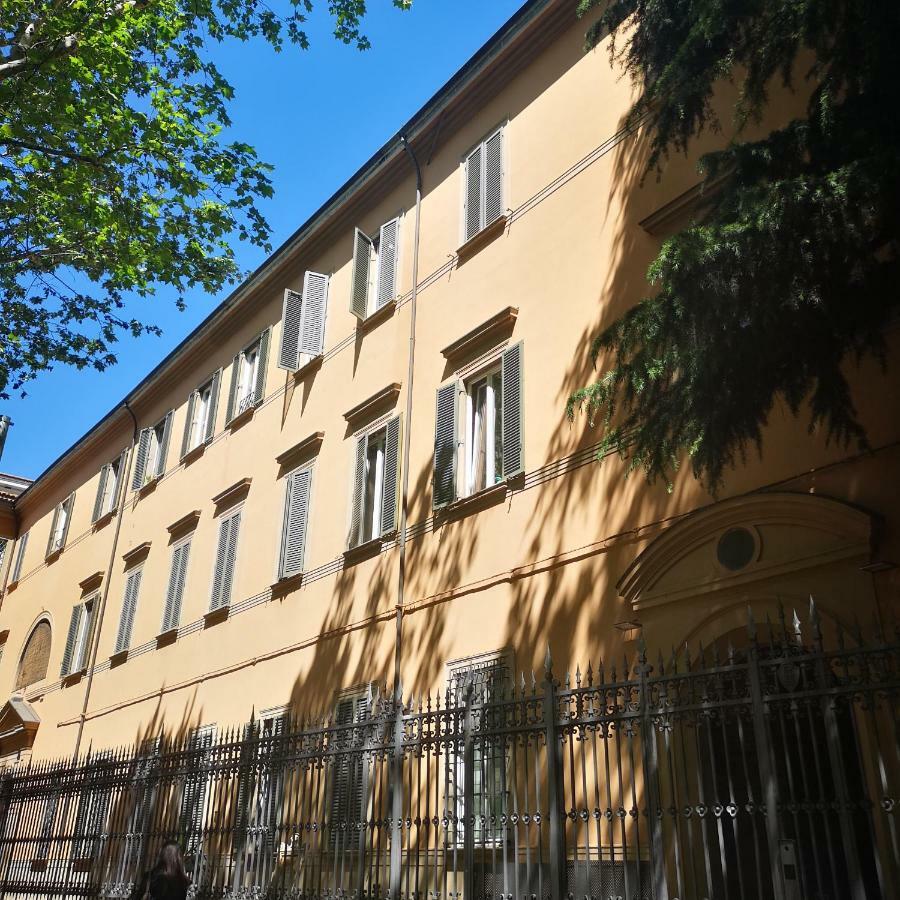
x: 792, y: 275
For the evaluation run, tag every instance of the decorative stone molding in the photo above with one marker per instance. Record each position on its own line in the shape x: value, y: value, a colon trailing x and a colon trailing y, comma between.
x: 502, y: 321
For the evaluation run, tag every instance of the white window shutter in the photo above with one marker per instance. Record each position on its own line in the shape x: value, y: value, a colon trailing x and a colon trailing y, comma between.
x: 140, y: 461
x: 56, y: 514
x: 493, y: 178
x: 388, y: 245
x: 226, y: 554
x: 359, y: 479
x: 68, y: 505
x: 511, y: 406
x: 71, y: 638
x: 20, y: 557
x: 315, y: 302
x: 291, y: 311
x: 232, y: 390
x: 90, y: 611
x: 188, y: 425
x: 259, y: 389
x: 129, y: 605
x: 390, y: 481
x: 445, y: 448
x: 213, y: 406
x: 101, y: 490
x: 472, y: 212
x: 359, y: 287
x: 163, y: 450
x: 296, y: 517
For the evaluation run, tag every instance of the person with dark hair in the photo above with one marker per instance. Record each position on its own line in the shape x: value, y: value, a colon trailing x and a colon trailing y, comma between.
x: 167, y: 880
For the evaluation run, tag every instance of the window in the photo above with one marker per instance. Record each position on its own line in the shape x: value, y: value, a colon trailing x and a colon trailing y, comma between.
x: 374, y: 269
x: 485, y: 447
x: 480, y: 681
x: 374, y: 509
x: 129, y: 606
x: 93, y: 809
x: 303, y: 322
x: 200, y: 422
x: 80, y: 637
x: 196, y: 790
x: 175, y: 590
x: 296, y: 518
x: 35, y: 659
x: 483, y: 198
x: 248, y: 377
x: 60, y: 527
x: 226, y: 556
x: 348, y: 804
x: 16, y: 572
x: 153, y: 447
x: 108, y: 487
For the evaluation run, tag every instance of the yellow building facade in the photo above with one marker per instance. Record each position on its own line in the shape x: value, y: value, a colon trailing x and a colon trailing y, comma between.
x: 231, y: 538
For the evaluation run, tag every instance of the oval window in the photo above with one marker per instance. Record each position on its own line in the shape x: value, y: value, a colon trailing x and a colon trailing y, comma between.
x: 736, y: 549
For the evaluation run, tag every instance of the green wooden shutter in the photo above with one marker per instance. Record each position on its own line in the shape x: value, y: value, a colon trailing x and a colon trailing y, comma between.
x: 296, y: 517
x: 71, y: 638
x: 493, y: 178
x: 359, y: 287
x: 101, y: 490
x: 226, y: 555
x: 315, y: 305
x: 129, y: 605
x: 358, y: 488
x: 388, y: 245
x: 213, y: 406
x: 445, y: 447
x: 390, y: 480
x: 511, y: 411
x: 188, y: 424
x: 175, y: 589
x: 140, y: 461
x: 472, y: 212
x: 291, y: 313
x: 232, y: 390
x: 163, y: 450
x: 20, y: 557
x: 259, y: 389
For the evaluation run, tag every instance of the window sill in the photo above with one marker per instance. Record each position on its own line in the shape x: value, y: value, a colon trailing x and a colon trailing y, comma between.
x: 214, y: 616
x: 148, y: 487
x: 241, y: 419
x: 193, y: 454
x: 11, y: 586
x: 53, y: 555
x: 118, y: 658
x: 313, y: 364
x: 361, y: 552
x: 287, y: 585
x: 372, y: 321
x: 104, y: 520
x: 487, y: 497
x: 484, y: 237
x: 73, y: 677
x: 164, y: 638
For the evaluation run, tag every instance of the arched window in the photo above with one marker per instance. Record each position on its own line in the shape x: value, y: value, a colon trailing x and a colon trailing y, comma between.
x: 35, y: 656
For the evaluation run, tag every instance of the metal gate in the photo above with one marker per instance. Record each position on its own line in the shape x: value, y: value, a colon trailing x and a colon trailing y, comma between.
x: 764, y: 768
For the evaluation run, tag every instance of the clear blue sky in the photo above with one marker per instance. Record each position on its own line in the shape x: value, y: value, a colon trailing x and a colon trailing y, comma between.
x: 357, y: 99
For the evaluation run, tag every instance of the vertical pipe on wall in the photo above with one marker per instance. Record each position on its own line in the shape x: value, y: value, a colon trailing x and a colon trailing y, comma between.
x: 95, y: 643
x: 407, y: 430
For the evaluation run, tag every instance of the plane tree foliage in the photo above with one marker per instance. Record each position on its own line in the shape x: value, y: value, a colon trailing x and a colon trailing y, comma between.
x: 791, y: 276
x: 116, y: 178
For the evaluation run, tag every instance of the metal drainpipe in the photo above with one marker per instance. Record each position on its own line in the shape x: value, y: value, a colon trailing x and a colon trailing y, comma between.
x: 123, y: 493
x: 407, y: 431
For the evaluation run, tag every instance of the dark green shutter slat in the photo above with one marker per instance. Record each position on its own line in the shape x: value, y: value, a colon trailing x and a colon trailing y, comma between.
x: 129, y: 605
x: 445, y: 429
x: 74, y: 623
x: 140, y: 462
x: 359, y: 289
x: 359, y: 477
x: 389, y: 481
x: 511, y: 406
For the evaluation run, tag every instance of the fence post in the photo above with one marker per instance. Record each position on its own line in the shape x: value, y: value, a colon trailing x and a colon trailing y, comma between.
x: 651, y: 780
x: 554, y: 790
x: 397, y: 797
x: 766, y: 765
x: 469, y: 796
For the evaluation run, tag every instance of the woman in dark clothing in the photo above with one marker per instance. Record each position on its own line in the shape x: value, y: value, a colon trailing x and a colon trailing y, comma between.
x: 167, y: 880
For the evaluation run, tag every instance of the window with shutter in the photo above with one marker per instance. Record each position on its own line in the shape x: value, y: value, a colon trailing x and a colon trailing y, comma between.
x: 200, y: 423
x: 175, y: 589
x: 375, y: 483
x: 291, y: 311
x: 296, y: 519
x: 484, y: 177
x: 108, y: 487
x: 129, y: 606
x: 226, y: 556
x: 248, y: 376
x: 445, y: 445
x: 153, y: 448
x: 16, y: 573
x: 79, y: 638
x: 60, y: 526
x: 140, y: 459
x: 195, y: 792
x: 91, y: 814
x: 349, y: 794
x: 375, y: 263
x: 315, y: 305
x: 511, y: 368
x: 390, y: 479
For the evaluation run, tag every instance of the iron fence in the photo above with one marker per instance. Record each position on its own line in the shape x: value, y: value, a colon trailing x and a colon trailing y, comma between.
x: 764, y: 768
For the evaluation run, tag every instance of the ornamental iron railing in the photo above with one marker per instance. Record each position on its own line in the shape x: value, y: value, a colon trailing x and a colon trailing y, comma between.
x: 765, y: 766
